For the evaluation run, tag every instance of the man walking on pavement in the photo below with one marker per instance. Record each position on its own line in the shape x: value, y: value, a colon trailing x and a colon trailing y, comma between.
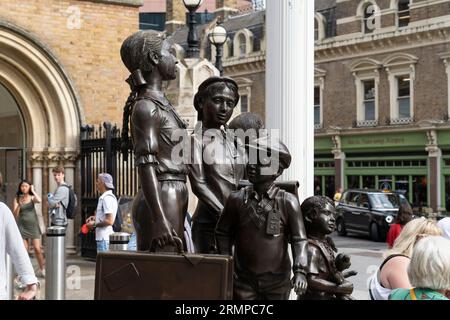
x: 106, y: 212
x: 59, y: 200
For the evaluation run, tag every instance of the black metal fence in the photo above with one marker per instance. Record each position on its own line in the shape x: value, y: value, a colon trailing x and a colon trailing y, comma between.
x: 100, y: 152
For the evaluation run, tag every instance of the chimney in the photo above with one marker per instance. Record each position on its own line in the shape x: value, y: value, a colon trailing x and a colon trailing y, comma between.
x: 175, y: 15
x: 225, y: 8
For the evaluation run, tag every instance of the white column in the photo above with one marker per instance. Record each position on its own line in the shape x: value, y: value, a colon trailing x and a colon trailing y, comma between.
x: 290, y: 84
x: 69, y: 175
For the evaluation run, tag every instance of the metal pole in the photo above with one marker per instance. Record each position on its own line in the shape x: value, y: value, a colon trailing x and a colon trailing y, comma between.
x: 219, y: 50
x: 118, y: 241
x: 193, y: 50
x: 9, y: 278
x: 55, y: 267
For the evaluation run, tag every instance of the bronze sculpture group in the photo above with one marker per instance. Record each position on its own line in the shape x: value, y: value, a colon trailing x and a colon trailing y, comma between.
x: 254, y: 223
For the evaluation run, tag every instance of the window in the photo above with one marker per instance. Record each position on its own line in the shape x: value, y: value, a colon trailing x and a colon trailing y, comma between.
x: 369, y: 99
x: 365, y: 72
x: 244, y: 103
x: 401, y: 71
x: 324, y: 186
x: 316, y: 30
x: 245, y: 93
x: 368, y: 19
x: 403, y: 13
x: 319, y: 83
x: 242, y: 45
x: 403, y: 97
x: 317, y: 105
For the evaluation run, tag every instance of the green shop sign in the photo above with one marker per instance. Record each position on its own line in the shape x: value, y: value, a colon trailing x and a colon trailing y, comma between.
x: 323, y: 144
x: 394, y: 140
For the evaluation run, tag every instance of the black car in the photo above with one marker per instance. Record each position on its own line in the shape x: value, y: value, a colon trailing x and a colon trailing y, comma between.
x: 367, y: 212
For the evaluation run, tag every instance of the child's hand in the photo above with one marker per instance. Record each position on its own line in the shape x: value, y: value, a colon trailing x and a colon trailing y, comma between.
x: 299, y: 283
x: 342, y: 261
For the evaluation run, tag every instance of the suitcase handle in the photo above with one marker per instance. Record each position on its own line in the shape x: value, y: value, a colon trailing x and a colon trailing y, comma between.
x: 178, y: 246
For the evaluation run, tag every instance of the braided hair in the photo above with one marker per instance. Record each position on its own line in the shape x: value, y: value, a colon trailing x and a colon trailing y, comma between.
x: 134, y: 53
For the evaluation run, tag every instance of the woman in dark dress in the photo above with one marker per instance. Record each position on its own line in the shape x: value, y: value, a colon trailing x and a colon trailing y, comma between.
x: 27, y: 220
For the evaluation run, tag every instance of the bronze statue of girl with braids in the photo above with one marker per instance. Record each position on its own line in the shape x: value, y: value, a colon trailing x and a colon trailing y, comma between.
x: 160, y: 206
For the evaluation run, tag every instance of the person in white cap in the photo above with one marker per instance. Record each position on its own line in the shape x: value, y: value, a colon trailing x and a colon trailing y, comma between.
x: 105, y: 213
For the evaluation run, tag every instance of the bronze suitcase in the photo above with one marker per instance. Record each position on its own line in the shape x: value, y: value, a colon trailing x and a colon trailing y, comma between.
x: 181, y: 276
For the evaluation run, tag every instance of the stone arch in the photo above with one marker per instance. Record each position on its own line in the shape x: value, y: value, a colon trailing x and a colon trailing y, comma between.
x: 398, y: 59
x: 46, y: 96
x: 364, y: 65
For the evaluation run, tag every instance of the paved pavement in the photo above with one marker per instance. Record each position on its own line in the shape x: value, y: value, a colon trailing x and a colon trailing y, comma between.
x: 365, y: 254
x: 80, y: 279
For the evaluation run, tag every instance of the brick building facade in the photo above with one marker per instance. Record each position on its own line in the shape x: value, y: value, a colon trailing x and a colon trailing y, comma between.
x: 381, y: 92
x: 60, y: 68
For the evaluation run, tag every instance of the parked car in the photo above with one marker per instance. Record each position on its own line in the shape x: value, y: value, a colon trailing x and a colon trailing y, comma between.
x: 368, y: 212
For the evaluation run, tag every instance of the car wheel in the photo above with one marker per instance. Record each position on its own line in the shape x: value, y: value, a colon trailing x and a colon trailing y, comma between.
x: 340, y: 227
x: 374, y: 232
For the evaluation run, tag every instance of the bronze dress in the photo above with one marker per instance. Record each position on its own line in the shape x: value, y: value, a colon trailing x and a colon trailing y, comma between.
x: 153, y: 122
x: 216, y: 167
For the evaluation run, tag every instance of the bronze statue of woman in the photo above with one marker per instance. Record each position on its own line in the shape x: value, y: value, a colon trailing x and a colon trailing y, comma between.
x: 217, y: 164
x: 160, y: 206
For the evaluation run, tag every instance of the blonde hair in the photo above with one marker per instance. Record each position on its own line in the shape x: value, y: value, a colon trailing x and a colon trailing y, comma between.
x: 430, y: 264
x: 412, y: 232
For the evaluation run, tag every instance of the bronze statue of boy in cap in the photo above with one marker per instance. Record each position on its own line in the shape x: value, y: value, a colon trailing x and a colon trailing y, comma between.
x: 259, y: 221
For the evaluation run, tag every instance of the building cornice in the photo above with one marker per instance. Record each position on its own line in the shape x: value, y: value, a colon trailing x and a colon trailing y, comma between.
x: 255, y: 62
x: 427, y: 3
x: 382, y: 43
x: 422, y: 126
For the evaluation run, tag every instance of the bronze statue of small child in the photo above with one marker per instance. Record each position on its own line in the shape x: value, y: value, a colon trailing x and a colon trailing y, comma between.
x: 259, y: 221
x: 326, y: 275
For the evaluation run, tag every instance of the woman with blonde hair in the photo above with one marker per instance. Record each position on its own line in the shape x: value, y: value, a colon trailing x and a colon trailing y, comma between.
x: 428, y: 271
x: 392, y: 273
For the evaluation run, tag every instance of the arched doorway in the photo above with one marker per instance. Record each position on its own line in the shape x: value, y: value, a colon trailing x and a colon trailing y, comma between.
x: 49, y: 106
x: 12, y: 146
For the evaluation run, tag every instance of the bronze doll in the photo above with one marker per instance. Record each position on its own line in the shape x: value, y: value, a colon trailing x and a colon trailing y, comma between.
x: 161, y: 204
x: 217, y: 164
x: 326, y: 275
x: 259, y: 221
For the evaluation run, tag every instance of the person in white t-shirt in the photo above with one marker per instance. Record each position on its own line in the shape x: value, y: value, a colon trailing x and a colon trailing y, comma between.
x: 11, y: 243
x: 106, y: 212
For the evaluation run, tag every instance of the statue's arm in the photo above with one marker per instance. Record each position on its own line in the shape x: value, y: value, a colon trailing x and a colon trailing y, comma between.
x: 299, y: 243
x: 317, y: 284
x: 226, y: 226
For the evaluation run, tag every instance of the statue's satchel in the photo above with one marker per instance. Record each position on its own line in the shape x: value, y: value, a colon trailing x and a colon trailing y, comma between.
x: 167, y: 276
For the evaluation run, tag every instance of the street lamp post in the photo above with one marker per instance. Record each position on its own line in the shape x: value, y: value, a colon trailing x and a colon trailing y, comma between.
x: 193, y: 50
x: 217, y: 37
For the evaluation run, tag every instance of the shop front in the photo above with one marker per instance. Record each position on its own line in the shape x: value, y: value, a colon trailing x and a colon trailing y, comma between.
x: 396, y: 161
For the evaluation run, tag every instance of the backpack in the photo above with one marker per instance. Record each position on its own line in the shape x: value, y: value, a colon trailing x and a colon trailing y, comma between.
x: 117, y: 225
x: 72, y: 205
